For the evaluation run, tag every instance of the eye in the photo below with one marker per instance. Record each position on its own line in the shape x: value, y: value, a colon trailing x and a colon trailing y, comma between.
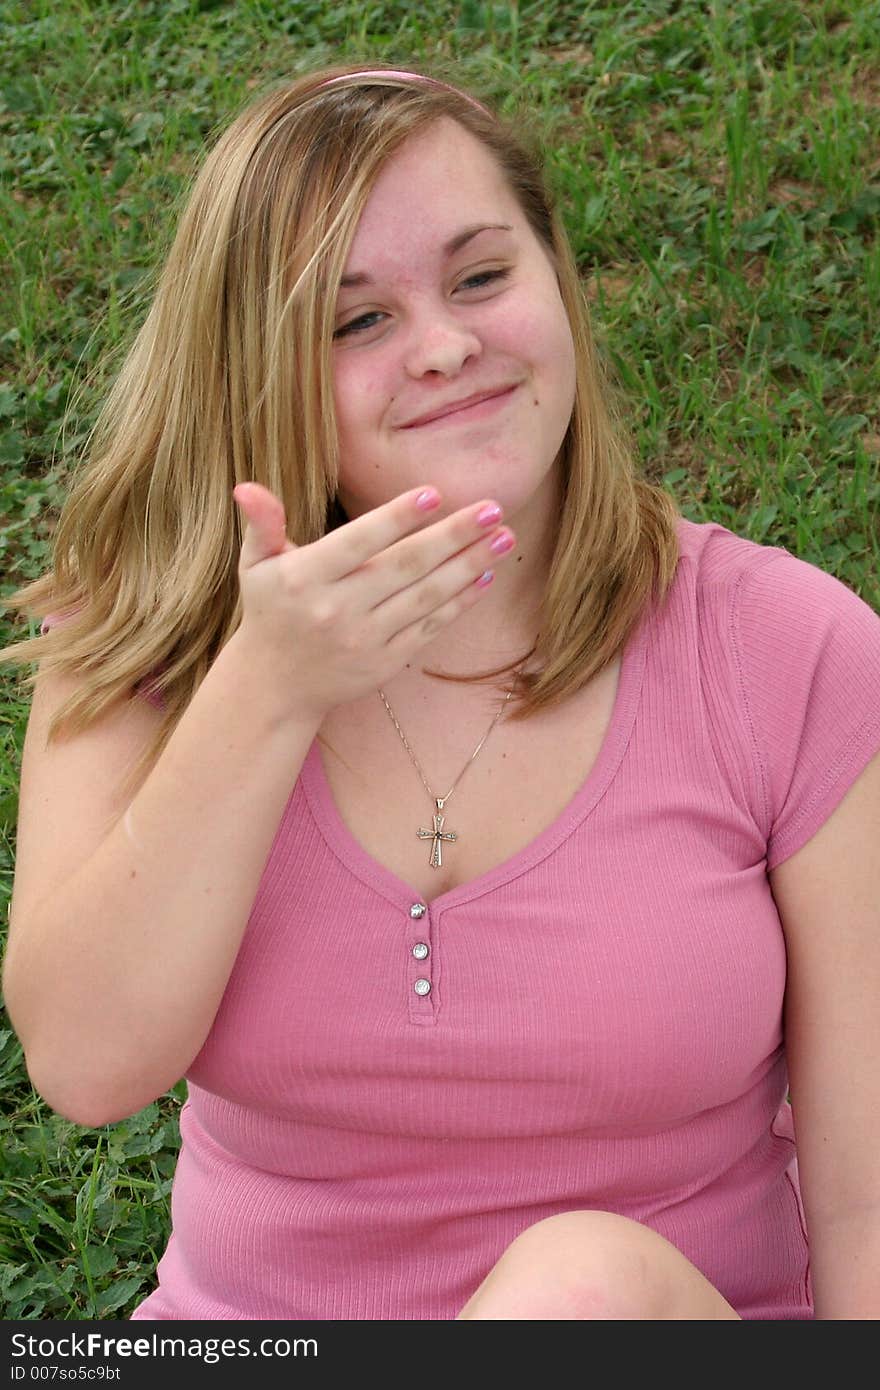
x: 357, y: 325
x: 364, y: 321
x: 483, y: 278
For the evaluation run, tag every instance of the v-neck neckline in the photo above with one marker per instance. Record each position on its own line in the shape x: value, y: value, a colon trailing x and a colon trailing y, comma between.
x: 370, y: 871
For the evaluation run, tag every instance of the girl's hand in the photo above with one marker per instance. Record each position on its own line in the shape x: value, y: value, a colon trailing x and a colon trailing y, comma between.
x: 337, y: 619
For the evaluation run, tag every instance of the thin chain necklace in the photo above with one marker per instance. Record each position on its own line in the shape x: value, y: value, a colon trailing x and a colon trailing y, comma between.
x: 437, y: 834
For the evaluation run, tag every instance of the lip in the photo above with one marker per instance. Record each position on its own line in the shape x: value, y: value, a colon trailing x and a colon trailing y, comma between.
x: 472, y: 407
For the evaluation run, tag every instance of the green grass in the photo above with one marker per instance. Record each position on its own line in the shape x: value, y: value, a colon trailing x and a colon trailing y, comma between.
x: 718, y: 166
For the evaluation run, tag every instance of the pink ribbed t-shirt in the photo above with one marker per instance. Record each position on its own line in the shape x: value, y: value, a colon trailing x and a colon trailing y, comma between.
x: 392, y: 1090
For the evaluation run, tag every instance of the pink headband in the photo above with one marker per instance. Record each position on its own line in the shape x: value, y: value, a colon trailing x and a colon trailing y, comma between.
x: 411, y: 76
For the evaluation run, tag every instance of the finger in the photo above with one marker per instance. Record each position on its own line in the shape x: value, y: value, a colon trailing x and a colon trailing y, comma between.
x: 348, y: 547
x: 265, y: 524
x: 411, y: 622
x: 412, y: 559
x: 420, y: 609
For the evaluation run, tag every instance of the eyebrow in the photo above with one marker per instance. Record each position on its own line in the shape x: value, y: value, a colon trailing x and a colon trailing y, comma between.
x: 449, y: 249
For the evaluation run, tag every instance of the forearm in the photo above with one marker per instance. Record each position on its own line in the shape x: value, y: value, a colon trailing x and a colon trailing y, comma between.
x: 115, y: 982
x: 845, y: 1266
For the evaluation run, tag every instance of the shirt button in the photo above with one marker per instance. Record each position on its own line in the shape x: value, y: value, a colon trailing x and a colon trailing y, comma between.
x: 422, y: 986
x: 417, y: 910
x: 420, y: 950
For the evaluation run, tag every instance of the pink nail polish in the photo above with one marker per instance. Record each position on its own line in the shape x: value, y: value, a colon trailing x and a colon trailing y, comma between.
x: 502, y: 543
x: 488, y: 515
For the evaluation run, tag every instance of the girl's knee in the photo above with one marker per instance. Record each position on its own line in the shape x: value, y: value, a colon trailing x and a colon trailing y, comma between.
x: 583, y: 1264
x: 594, y: 1265
x: 611, y: 1266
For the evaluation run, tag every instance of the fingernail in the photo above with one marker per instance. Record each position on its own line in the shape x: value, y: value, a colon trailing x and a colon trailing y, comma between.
x: 502, y: 542
x: 427, y: 499
x: 488, y: 515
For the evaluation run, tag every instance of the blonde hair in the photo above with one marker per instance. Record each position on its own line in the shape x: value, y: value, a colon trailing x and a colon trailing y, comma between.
x: 229, y: 380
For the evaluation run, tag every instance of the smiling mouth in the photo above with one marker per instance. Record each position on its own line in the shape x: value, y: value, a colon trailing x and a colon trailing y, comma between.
x: 465, y: 413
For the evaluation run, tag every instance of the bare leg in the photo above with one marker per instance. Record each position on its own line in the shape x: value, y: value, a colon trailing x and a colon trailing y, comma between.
x: 594, y: 1265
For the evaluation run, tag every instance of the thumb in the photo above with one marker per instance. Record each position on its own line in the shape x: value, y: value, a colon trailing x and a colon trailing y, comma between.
x: 264, y: 534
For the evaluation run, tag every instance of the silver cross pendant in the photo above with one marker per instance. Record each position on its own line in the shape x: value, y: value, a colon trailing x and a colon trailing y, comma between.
x: 437, y: 835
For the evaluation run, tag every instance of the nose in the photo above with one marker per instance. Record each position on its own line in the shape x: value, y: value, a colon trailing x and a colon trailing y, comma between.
x: 440, y: 342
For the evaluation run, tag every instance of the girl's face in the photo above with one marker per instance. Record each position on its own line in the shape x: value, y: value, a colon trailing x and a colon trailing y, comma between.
x: 453, y: 296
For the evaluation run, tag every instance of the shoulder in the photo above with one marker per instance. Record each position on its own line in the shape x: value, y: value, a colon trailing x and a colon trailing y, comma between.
x: 789, y: 672
x: 719, y: 558
x: 765, y: 591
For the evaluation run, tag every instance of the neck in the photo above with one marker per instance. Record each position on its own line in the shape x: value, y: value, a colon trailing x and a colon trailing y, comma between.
x: 504, y: 623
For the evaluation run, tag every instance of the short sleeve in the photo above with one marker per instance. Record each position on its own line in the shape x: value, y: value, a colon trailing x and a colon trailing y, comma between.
x: 54, y: 619
x: 145, y: 687
x: 808, y: 649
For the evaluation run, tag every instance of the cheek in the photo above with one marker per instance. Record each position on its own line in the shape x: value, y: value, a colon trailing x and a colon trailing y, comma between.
x: 552, y: 355
x: 543, y: 339
x: 558, y: 354
x: 357, y: 393
x: 559, y: 334
x: 568, y: 365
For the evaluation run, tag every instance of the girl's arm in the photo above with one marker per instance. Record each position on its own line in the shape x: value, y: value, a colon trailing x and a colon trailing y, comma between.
x: 125, y: 922
x: 828, y: 898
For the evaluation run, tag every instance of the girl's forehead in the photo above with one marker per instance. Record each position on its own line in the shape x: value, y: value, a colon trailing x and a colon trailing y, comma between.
x: 444, y: 156
x: 430, y: 190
